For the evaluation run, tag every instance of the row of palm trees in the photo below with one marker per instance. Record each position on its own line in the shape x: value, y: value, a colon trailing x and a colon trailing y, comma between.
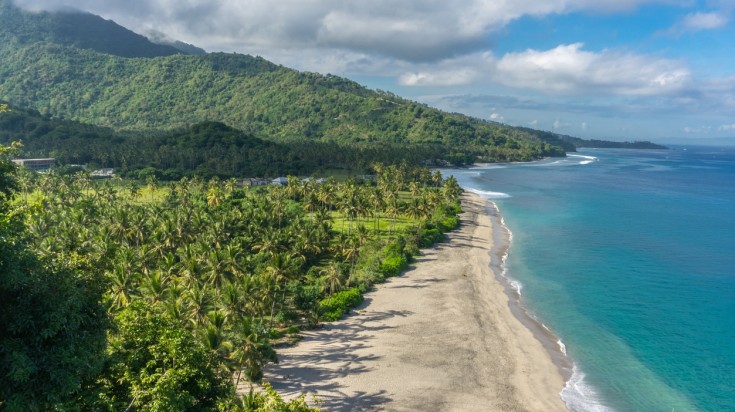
x: 225, y: 262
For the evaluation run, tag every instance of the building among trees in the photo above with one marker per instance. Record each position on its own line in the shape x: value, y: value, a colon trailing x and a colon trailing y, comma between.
x: 39, y: 165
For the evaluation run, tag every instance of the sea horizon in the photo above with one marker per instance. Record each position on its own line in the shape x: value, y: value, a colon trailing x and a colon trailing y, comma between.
x: 624, y: 256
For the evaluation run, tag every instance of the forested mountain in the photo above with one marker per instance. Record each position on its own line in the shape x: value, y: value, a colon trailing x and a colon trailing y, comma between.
x: 57, y: 76
x: 205, y: 149
x: 606, y: 144
x: 76, y: 28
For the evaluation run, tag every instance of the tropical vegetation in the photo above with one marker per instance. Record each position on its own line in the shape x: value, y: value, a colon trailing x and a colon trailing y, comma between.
x: 168, y: 296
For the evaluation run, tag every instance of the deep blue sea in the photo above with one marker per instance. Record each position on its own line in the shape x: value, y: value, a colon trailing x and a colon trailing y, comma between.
x: 628, y: 256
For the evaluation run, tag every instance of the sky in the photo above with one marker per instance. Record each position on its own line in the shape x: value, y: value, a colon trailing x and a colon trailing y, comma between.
x: 660, y: 70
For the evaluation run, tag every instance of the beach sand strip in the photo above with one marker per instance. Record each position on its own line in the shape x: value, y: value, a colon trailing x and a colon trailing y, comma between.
x: 441, y: 337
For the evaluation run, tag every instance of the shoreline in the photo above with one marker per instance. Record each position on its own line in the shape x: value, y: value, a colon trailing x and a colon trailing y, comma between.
x: 442, y: 336
x: 546, y: 337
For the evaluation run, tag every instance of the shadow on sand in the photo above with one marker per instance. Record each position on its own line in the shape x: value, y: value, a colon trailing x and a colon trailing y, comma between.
x: 319, y: 371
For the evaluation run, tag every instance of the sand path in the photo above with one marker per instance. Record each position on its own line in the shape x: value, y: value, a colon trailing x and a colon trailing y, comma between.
x: 441, y: 337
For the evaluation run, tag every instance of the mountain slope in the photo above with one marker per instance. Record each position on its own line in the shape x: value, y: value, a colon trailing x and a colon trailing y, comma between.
x: 204, y: 149
x: 76, y: 28
x: 60, y: 78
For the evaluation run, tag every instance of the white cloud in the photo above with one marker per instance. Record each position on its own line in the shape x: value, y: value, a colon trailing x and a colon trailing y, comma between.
x: 694, y: 22
x: 569, y: 69
x: 533, y: 123
x: 565, y: 69
x: 697, y: 130
x: 704, y: 21
x: 497, y: 117
x: 410, y: 30
x: 727, y: 127
x: 441, y: 77
x: 558, y: 124
x: 585, y: 126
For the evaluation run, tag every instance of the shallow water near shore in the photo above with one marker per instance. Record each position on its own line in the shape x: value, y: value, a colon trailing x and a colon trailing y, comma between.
x: 627, y: 257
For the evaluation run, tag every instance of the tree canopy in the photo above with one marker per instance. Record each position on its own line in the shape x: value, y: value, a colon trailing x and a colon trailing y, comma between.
x: 52, y: 321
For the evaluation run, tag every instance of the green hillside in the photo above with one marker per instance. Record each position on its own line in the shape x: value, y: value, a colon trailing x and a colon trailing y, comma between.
x: 205, y: 149
x: 76, y: 28
x: 249, y: 93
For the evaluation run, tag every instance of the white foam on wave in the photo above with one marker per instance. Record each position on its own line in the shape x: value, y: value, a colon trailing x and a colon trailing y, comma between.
x: 579, y: 396
x: 585, y: 159
x: 486, y: 194
x: 516, y: 285
x: 562, y: 347
x: 487, y: 166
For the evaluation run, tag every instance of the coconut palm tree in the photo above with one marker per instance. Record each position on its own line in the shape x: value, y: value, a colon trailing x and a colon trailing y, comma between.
x: 332, y: 277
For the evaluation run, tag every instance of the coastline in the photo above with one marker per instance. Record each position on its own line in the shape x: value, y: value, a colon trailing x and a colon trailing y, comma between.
x: 443, y: 336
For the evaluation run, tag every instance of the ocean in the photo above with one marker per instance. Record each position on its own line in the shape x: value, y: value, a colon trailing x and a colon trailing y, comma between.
x: 628, y: 257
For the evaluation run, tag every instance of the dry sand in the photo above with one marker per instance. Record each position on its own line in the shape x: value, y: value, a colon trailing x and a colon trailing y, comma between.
x: 440, y: 337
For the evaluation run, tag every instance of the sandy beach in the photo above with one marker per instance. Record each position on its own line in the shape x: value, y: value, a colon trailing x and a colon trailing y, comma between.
x: 440, y: 337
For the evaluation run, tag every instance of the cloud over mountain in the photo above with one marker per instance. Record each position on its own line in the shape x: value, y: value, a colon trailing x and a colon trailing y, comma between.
x: 414, y: 30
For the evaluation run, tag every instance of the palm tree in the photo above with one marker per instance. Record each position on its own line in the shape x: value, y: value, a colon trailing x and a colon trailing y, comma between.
x: 154, y: 286
x: 393, y: 209
x: 199, y: 302
x: 326, y: 194
x: 451, y: 189
x: 351, y: 250
x: 214, y: 196
x: 281, y: 269
x: 122, y: 285
x: 377, y: 201
x: 152, y: 185
x: 332, y: 277
x: 253, y: 350
x: 215, y: 339
x: 418, y: 209
x: 436, y: 178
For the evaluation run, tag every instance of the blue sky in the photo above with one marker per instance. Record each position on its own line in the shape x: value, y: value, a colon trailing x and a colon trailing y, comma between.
x: 659, y: 70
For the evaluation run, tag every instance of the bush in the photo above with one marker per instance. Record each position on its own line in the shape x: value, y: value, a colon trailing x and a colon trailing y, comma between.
x: 430, y: 237
x: 365, y: 277
x: 270, y: 400
x: 448, y: 223
x: 396, y: 247
x: 393, y: 265
x: 306, y: 297
x: 332, y: 309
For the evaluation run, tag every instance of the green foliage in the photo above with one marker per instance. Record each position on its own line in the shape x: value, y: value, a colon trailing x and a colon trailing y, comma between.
x: 449, y: 223
x: 393, y: 265
x: 334, y: 308
x: 83, y: 30
x: 396, y: 247
x: 205, y: 150
x: 253, y: 349
x: 307, y: 296
x: 270, y: 401
x: 223, y: 269
x: 60, y: 76
x: 156, y: 365
x: 431, y: 236
x: 52, y: 325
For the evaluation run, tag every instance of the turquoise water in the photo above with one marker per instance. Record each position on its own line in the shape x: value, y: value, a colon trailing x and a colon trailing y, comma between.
x: 629, y: 258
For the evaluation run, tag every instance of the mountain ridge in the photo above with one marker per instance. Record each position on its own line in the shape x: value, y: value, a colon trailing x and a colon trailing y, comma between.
x: 77, y: 28
x: 245, y: 92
